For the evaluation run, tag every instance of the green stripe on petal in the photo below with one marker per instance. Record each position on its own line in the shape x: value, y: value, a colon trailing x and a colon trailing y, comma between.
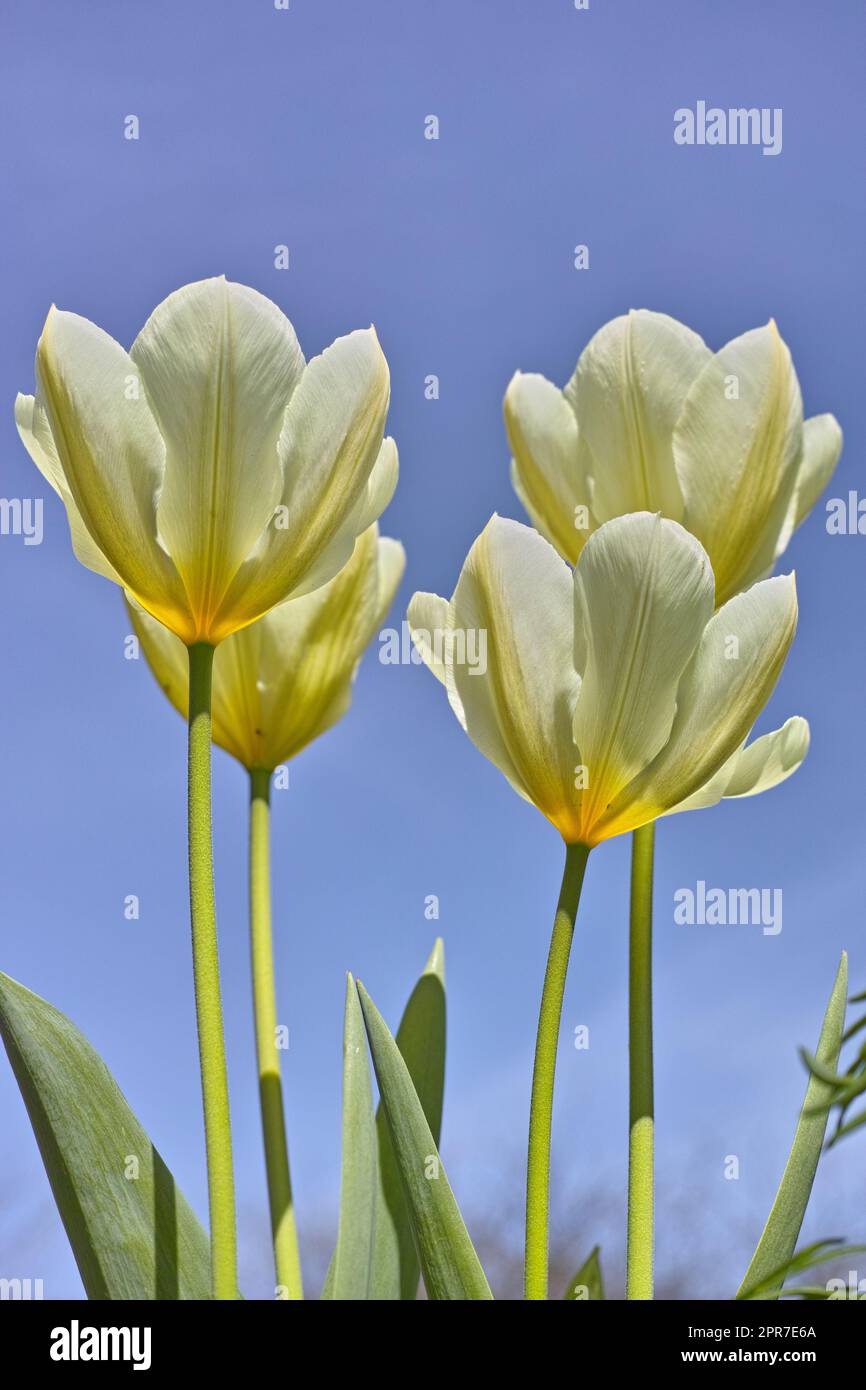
x: 549, y: 471
x: 627, y: 392
x: 722, y: 692
x: 643, y: 592
x: 35, y: 432
x: 513, y: 603
x: 737, y: 447
x: 760, y: 765
x: 110, y: 451
x: 329, y: 446
x: 219, y: 363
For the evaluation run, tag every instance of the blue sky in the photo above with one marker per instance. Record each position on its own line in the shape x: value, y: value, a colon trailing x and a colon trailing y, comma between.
x: 305, y: 127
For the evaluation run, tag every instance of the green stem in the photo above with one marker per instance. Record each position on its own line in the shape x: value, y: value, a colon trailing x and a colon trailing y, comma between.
x: 285, y: 1238
x: 639, y: 1262
x: 211, y: 1045
x: 541, y: 1103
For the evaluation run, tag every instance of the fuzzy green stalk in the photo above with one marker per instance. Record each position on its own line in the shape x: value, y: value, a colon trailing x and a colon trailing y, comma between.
x: 287, y: 1261
x: 639, y: 1258
x: 211, y: 1044
x: 541, y: 1103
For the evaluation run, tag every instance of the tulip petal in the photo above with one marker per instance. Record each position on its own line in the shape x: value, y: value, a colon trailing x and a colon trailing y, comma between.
x: 429, y: 617
x: 517, y: 698
x: 643, y: 591
x: 627, y: 392
x: 35, y: 432
x: 240, y: 722
x: 329, y: 445
x: 391, y: 568
x: 168, y: 659
x: 374, y: 498
x: 760, y: 765
x: 723, y: 690
x: 166, y: 654
x: 219, y: 363
x: 110, y: 452
x: 311, y: 648
x: 550, y: 471
x: 737, y: 445
x: 822, y: 445
x: 287, y: 678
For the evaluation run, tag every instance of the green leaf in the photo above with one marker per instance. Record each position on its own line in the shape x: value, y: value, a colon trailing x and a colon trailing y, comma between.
x: 449, y: 1264
x: 776, y: 1247
x: 835, y: 1080
x: 587, y: 1284
x: 421, y: 1040
x: 849, y: 1127
x: 133, y: 1237
x: 821, y: 1252
x: 349, y: 1275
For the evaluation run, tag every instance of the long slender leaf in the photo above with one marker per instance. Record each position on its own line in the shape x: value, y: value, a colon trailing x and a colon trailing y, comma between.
x: 849, y: 1127
x: 131, y: 1231
x: 776, y: 1247
x: 587, y: 1284
x: 449, y: 1264
x: 822, y: 1252
x: 421, y: 1040
x: 847, y: 1085
x: 349, y: 1275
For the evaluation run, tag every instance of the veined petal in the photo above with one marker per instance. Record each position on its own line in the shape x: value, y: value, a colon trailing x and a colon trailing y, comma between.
x: 737, y: 445
x: 35, y: 432
x: 311, y: 648
x: 235, y: 697
x: 755, y: 768
x: 549, y: 469
x: 330, y: 442
x: 770, y: 759
x: 166, y: 655
x: 822, y: 445
x: 220, y: 363
x: 643, y: 591
x: 374, y: 498
x: 110, y: 451
x: 512, y: 612
x: 429, y: 617
x: 627, y: 392
x: 240, y: 697
x: 722, y: 691
x: 285, y: 679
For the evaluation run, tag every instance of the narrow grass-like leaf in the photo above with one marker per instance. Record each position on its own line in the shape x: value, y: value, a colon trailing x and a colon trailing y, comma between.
x: 587, y: 1284
x: 810, y: 1293
x: 856, y: 1027
x: 835, y: 1080
x: 349, y: 1275
x: 449, y: 1264
x: 849, y: 1127
x: 775, y: 1249
x: 131, y: 1231
x: 421, y: 1040
x: 822, y: 1252
x: 846, y: 1086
